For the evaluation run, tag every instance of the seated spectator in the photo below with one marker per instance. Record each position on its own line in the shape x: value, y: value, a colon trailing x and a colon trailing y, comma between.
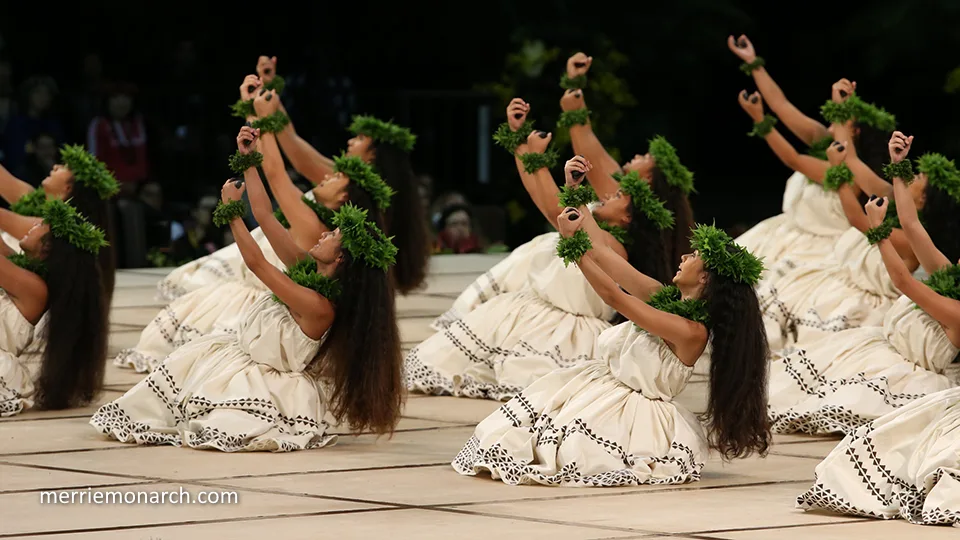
x: 119, y: 139
x: 197, y: 236
x: 457, y: 234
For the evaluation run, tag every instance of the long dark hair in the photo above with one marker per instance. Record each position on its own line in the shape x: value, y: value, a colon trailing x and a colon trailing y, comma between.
x: 406, y: 219
x: 871, y: 145
x: 361, y: 357
x: 76, y: 333
x: 737, y: 405
x: 97, y: 211
x: 646, y: 251
x: 940, y: 213
x: 676, y: 241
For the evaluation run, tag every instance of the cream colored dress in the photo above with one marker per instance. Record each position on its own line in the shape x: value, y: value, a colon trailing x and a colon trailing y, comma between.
x: 509, y: 275
x: 11, y: 242
x: 17, y: 370
x: 805, y: 233
x: 847, y: 290
x: 214, y: 306
x: 905, y: 464
x: 854, y: 377
x: 609, y: 422
x: 508, y: 342
x: 231, y: 392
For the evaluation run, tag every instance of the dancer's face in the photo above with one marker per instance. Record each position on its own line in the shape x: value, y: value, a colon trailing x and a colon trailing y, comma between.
x: 642, y: 165
x: 691, y: 273
x: 32, y: 242
x: 328, y: 250
x: 361, y: 146
x: 614, y: 210
x: 918, y: 190
x: 332, y: 192
x: 59, y: 183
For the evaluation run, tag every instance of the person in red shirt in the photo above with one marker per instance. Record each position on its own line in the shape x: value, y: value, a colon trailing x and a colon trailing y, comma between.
x: 119, y: 139
x: 456, y: 231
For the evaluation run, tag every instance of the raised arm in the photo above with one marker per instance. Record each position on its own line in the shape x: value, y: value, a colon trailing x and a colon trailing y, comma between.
x: 805, y: 128
x: 945, y: 310
x: 16, y: 225
x: 11, y: 187
x: 280, y: 239
x: 811, y: 167
x: 586, y: 144
x: 612, y: 262
x: 858, y: 220
x: 27, y: 290
x: 863, y: 175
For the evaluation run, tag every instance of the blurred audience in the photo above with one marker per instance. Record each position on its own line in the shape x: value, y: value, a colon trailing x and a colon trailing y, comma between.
x: 119, y: 139
x: 42, y: 153
x: 35, y: 115
x: 456, y: 231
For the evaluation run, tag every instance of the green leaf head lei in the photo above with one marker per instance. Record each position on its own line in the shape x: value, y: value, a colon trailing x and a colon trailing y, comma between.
x: 855, y: 108
x: 362, y: 174
x: 385, y: 132
x: 89, y: 171
x: 644, y: 199
x: 363, y: 239
x: 721, y: 255
x: 669, y: 164
x: 304, y: 273
x: 68, y: 224
x: 941, y: 173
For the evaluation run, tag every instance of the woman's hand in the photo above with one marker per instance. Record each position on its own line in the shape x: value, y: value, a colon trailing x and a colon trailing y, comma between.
x: 569, y: 221
x: 753, y: 104
x: 575, y: 170
x: 572, y: 100
x: 899, y: 146
x: 538, y: 141
x: 842, y: 90
x: 248, y: 90
x: 837, y: 152
x: 232, y: 190
x: 267, y: 68
x: 517, y: 112
x: 266, y: 104
x: 876, y: 209
x: 578, y: 64
x: 246, y: 139
x: 742, y: 48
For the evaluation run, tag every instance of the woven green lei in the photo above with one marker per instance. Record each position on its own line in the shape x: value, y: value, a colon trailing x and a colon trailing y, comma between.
x: 239, y: 163
x: 902, y: 170
x: 28, y: 263
x: 243, y: 109
x: 224, y: 213
x: 576, y: 196
x: 837, y: 176
x: 573, y: 83
x: 644, y: 199
x: 325, y: 214
x: 764, y: 127
x: 508, y: 139
x: 863, y: 112
x: 945, y: 282
x: 757, y: 63
x: 668, y: 299
x: 573, y: 248
x: 941, y: 173
x: 722, y: 255
x: 534, y: 161
x: 278, y: 83
x: 619, y: 233
x: 891, y: 222
x: 304, y: 273
x: 578, y: 117
x: 273, y: 123
x: 386, y: 132
x: 818, y: 149
x: 30, y: 204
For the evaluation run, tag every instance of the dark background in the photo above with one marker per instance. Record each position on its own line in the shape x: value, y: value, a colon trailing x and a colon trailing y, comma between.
x: 425, y: 64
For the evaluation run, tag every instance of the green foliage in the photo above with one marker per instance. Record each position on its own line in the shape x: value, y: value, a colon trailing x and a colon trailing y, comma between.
x: 576, y: 196
x: 362, y: 174
x: 68, y: 224
x: 764, y: 127
x: 720, y: 254
x: 837, y: 176
x: 304, y: 273
x: 618, y: 233
x: 902, y: 170
x: 941, y: 173
x: 882, y: 232
x: 28, y: 263
x: 669, y: 300
x: 30, y: 204
x: 573, y: 248
x: 224, y: 213
x: 239, y: 163
x: 946, y: 281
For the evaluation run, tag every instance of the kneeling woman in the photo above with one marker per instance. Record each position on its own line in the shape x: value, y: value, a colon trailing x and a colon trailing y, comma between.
x: 612, y: 421
x: 554, y: 319
x: 297, y: 353
x: 55, y: 278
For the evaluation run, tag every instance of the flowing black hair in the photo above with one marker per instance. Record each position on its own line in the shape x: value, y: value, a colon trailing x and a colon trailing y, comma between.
x: 737, y: 404
x: 871, y: 145
x: 676, y: 241
x: 361, y: 358
x: 97, y: 211
x: 646, y: 252
x: 406, y: 219
x: 75, y: 350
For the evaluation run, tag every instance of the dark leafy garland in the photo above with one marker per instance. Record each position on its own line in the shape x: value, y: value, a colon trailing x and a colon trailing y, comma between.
x: 576, y: 196
x: 239, y: 163
x: 573, y: 83
x: 669, y: 300
x: 304, y: 273
x: 878, y: 234
x: 509, y: 140
x: 30, y: 204
x: 619, y: 233
x: 902, y: 170
x: 855, y: 108
x: 946, y: 282
x: 28, y: 263
x: 764, y: 127
x: 534, y: 161
x: 68, y: 224
x: 223, y: 214
x: 757, y: 63
x: 578, y: 117
x: 243, y: 109
x: 325, y: 214
x: 572, y: 249
x: 941, y: 173
x: 819, y: 148
x: 837, y: 176
x: 89, y: 171
x: 278, y: 83
x: 644, y: 199
x: 722, y: 255
x: 273, y: 123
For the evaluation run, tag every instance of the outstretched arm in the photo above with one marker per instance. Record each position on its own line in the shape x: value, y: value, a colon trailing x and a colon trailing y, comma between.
x: 27, y: 290
x: 858, y: 219
x: 863, y: 175
x: 805, y: 128
x: 16, y: 225
x: 11, y: 187
x: 811, y: 167
x: 614, y: 264
x: 307, y: 161
x: 586, y: 144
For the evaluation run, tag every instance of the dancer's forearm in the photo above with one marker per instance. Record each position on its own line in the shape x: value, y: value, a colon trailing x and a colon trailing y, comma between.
x: 586, y: 144
x: 805, y: 128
